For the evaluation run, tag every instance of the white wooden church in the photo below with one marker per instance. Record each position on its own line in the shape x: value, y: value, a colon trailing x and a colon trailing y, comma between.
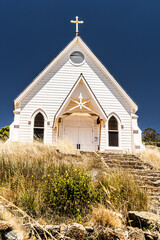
x: 76, y: 97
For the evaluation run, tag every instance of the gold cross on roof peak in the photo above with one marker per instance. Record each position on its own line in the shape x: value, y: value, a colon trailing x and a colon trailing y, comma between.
x: 77, y: 22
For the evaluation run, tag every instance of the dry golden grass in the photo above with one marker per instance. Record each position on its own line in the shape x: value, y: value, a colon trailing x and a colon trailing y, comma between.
x: 123, y: 192
x: 35, y: 152
x: 104, y: 217
x: 65, y: 145
x: 151, y: 156
x: 62, y: 152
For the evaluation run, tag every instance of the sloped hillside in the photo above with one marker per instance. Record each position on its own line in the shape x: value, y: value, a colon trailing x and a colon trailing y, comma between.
x: 45, y: 182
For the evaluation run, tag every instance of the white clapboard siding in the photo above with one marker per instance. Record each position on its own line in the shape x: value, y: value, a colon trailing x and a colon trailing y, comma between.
x: 51, y: 91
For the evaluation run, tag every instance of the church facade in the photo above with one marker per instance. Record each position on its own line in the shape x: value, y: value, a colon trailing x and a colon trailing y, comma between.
x: 75, y: 97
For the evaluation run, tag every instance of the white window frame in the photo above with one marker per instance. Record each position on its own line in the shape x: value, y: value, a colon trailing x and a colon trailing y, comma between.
x: 45, y: 124
x: 119, y: 133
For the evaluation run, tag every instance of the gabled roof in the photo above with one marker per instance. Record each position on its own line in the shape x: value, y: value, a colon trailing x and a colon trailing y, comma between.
x: 78, y: 40
x: 68, y: 97
x: 45, y: 71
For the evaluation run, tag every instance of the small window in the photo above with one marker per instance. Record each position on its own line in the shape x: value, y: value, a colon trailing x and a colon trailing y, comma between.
x: 113, y: 132
x: 77, y: 57
x: 38, y: 132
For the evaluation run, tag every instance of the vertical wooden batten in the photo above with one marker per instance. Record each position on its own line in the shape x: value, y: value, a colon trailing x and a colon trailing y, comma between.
x: 100, y: 126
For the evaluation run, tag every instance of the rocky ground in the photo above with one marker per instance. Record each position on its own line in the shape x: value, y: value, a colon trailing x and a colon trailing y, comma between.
x: 140, y: 226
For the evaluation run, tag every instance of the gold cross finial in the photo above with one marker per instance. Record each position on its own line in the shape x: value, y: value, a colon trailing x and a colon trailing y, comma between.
x: 77, y: 22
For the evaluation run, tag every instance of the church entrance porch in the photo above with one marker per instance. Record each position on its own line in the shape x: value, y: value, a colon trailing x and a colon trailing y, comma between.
x: 80, y: 117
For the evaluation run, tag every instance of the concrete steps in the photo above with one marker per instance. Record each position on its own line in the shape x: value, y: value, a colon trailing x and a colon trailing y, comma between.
x: 149, y: 182
x: 125, y: 165
x: 145, y: 175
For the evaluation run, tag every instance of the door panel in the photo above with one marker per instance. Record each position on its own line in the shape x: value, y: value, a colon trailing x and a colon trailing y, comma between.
x: 72, y: 135
x: 82, y: 137
x: 85, y: 139
x: 89, y: 138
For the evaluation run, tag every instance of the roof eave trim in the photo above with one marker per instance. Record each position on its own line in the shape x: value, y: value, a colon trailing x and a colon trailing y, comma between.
x: 100, y: 64
x: 45, y: 71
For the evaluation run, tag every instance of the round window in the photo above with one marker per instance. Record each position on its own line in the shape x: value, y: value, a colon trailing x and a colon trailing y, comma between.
x: 77, y: 57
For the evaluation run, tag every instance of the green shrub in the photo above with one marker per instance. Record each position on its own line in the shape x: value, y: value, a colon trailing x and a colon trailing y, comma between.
x: 4, y: 133
x: 157, y: 144
x: 70, y: 191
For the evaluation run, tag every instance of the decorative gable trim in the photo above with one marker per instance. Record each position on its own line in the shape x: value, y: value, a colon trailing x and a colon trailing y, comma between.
x: 66, y: 100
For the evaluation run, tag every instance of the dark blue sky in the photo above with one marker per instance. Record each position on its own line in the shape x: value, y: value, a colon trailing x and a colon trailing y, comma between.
x: 124, y: 35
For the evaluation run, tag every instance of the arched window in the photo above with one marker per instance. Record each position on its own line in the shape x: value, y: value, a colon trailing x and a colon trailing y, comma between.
x: 113, y: 132
x: 38, y: 132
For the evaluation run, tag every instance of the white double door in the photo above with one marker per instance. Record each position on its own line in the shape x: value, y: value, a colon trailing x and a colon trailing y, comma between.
x: 81, y: 137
